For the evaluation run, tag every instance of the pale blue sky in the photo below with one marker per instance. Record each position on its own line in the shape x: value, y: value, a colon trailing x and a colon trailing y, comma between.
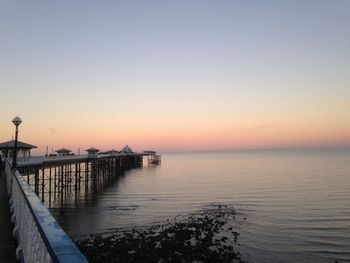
x: 233, y: 60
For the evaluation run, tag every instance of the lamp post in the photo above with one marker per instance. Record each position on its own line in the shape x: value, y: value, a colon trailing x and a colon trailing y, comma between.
x: 16, y: 121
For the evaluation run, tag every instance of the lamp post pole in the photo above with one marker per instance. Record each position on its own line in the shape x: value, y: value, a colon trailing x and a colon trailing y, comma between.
x: 16, y: 121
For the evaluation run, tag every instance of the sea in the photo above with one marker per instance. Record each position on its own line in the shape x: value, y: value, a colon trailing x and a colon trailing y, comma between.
x: 295, y: 203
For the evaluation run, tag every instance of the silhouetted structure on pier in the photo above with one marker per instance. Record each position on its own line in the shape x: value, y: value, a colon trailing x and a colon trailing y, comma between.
x: 23, y: 149
x: 54, y: 178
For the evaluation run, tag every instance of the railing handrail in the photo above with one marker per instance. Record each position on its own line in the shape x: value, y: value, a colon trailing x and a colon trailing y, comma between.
x: 37, y: 160
x: 58, y: 244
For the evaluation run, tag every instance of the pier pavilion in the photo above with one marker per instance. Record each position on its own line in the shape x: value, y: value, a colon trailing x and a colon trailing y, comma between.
x: 63, y: 152
x: 112, y: 152
x: 23, y: 149
x: 92, y: 152
x: 127, y: 150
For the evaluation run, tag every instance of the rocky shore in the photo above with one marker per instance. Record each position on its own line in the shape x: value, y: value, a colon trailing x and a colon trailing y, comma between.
x: 209, y: 235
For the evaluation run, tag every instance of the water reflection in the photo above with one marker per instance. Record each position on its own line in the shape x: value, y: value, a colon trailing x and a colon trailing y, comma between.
x: 82, y: 213
x: 296, y: 203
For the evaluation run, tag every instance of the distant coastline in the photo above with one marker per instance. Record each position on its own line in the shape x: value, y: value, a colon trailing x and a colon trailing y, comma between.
x: 262, y: 150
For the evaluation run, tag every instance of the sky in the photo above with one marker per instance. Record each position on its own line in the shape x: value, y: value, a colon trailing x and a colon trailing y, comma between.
x: 176, y: 75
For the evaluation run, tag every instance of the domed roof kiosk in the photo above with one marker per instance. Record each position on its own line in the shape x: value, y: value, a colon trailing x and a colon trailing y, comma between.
x: 23, y: 149
x: 63, y: 152
x: 127, y: 150
x: 92, y: 152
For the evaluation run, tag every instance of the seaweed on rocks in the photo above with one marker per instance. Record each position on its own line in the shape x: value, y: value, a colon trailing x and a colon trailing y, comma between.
x: 209, y: 235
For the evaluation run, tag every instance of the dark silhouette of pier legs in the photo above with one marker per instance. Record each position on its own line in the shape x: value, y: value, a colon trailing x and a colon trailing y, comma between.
x: 56, y: 181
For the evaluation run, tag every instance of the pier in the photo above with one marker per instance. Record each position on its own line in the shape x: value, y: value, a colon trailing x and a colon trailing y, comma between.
x: 40, y: 181
x: 55, y: 178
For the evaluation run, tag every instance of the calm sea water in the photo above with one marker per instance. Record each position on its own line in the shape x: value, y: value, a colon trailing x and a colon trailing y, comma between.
x: 296, y: 203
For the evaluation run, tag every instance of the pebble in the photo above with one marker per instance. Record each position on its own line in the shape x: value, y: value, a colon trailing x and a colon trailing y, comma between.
x: 195, y: 238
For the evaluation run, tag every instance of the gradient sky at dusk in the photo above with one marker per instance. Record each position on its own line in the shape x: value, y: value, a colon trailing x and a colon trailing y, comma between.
x: 176, y: 75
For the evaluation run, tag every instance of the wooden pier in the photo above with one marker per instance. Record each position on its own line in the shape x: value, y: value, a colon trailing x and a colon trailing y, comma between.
x: 55, y: 178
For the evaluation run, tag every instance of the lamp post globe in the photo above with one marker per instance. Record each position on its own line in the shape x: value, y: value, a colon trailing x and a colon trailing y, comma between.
x: 16, y: 121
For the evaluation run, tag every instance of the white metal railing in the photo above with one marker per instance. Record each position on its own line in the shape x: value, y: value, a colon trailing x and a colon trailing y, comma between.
x: 40, y: 238
x: 41, y: 159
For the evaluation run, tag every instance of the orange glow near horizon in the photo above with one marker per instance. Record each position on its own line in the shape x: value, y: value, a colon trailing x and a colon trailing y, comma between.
x: 193, y: 138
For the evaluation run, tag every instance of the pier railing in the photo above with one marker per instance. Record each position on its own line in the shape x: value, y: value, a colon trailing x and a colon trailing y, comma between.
x: 35, y: 160
x: 39, y: 237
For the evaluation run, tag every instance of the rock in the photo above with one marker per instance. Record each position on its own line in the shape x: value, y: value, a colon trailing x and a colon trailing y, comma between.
x: 195, y: 238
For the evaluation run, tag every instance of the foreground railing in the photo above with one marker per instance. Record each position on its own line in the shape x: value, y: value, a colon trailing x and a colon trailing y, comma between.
x: 39, y: 237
